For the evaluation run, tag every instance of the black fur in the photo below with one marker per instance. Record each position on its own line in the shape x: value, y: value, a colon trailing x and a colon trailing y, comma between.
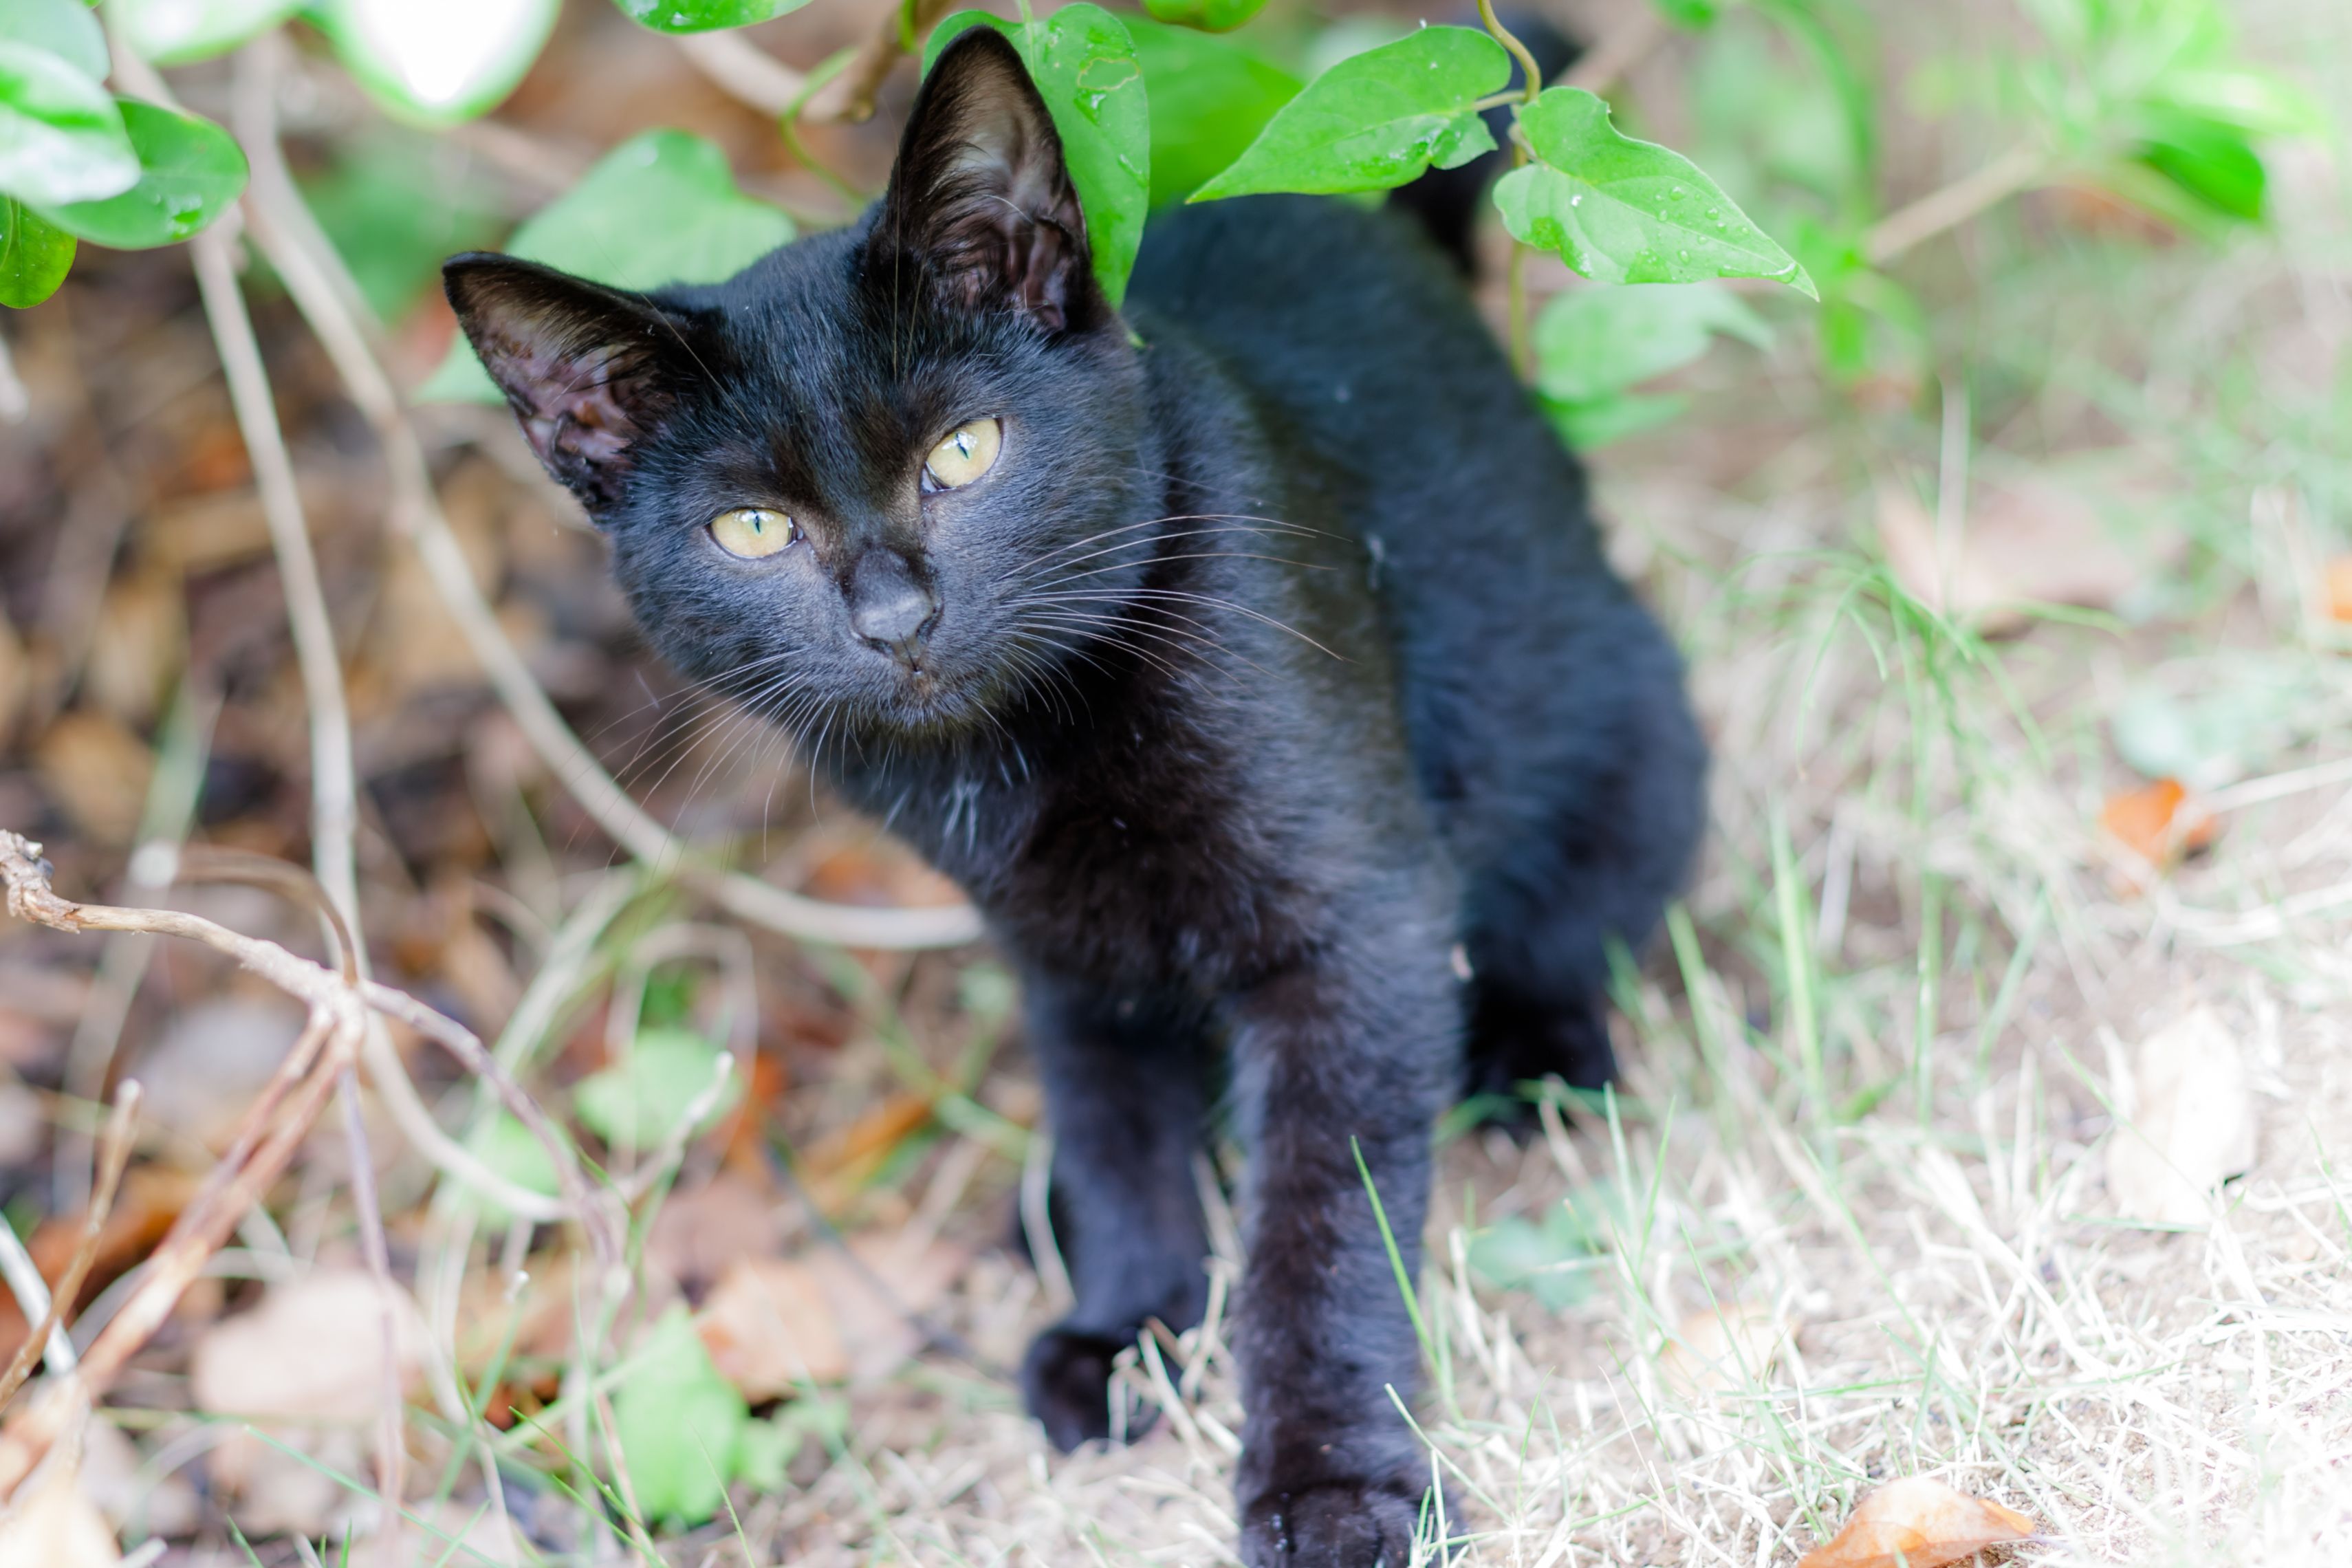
x: 1274, y: 658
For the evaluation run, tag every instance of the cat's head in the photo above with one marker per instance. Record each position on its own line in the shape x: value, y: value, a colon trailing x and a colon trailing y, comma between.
x: 835, y: 484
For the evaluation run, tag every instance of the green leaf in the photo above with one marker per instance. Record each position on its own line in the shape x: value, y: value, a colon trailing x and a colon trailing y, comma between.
x: 703, y: 15
x: 1210, y: 98
x: 1591, y: 343
x: 61, y: 137
x: 393, y: 203
x: 680, y: 1424
x: 1377, y: 120
x: 436, y: 64
x: 64, y: 27
x: 1693, y: 15
x: 1085, y: 66
x: 35, y: 256
x: 509, y: 1148
x: 190, y: 170
x: 1209, y: 16
x: 638, y: 1102
x: 175, y: 32
x: 1622, y: 211
x: 1589, y: 426
x: 2209, y: 160
x: 1549, y: 1258
x: 660, y: 208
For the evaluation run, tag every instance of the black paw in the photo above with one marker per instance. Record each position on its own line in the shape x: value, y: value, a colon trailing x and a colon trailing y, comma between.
x: 1332, y: 1524
x: 1065, y: 1381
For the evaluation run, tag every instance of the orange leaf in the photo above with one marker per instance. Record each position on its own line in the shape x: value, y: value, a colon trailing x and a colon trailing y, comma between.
x: 1918, y: 1523
x: 2339, y: 588
x: 2151, y: 823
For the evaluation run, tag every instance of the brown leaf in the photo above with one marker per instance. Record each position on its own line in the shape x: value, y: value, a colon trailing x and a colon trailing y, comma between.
x: 825, y: 1317
x: 54, y: 1525
x: 1917, y: 1523
x: 313, y: 1352
x: 2039, y: 539
x: 2188, y: 1127
x: 15, y: 677
x: 1724, y: 1348
x: 95, y: 772
x: 702, y: 1232
x: 139, y: 646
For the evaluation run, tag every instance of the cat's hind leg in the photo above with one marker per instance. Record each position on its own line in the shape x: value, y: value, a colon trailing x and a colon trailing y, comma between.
x: 1611, y: 831
x: 1126, y: 1097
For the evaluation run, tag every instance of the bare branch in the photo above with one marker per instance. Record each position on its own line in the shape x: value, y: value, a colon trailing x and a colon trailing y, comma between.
x: 850, y: 96
x: 748, y: 73
x: 1955, y: 203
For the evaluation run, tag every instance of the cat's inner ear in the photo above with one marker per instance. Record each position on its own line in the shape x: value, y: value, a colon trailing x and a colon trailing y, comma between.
x: 589, y: 371
x: 981, y: 200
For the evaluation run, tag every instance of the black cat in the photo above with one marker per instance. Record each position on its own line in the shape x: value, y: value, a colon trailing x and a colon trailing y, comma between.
x: 1249, y: 658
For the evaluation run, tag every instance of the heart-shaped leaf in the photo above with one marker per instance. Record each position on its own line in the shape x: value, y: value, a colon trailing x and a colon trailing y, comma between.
x: 1377, y: 120
x: 1590, y: 342
x: 1085, y: 66
x: 1622, y: 211
x: 64, y: 27
x: 1209, y: 16
x: 702, y: 16
x: 175, y: 32
x: 436, y: 62
x: 35, y: 256
x: 1210, y: 98
x: 61, y: 137
x: 190, y: 170
x: 660, y: 208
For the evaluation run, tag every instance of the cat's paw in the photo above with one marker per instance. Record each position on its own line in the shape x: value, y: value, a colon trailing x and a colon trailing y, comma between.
x: 1065, y: 1381
x: 1331, y: 1524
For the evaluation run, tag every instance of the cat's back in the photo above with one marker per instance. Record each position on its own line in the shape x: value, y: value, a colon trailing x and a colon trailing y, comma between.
x: 1360, y: 341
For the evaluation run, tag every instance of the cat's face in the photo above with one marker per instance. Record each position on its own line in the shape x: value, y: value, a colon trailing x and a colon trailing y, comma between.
x: 841, y: 485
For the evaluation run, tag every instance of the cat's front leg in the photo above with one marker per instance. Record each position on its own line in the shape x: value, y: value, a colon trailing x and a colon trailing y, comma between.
x: 1353, y: 1053
x: 1126, y: 1094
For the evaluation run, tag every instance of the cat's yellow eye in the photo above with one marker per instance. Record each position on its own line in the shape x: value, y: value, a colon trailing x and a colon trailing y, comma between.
x: 967, y: 452
x: 751, y: 531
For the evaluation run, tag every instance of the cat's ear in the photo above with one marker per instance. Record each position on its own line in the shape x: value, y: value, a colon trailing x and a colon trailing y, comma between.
x: 981, y: 201
x: 591, y: 371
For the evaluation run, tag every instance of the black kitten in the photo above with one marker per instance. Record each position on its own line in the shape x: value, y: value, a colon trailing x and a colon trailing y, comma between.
x: 1255, y: 670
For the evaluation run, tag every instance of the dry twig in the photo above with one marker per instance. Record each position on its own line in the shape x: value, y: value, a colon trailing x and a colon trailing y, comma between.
x: 851, y: 95
x: 272, y: 1131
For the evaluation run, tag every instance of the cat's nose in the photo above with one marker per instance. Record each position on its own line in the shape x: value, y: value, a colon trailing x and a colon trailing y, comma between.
x: 890, y: 608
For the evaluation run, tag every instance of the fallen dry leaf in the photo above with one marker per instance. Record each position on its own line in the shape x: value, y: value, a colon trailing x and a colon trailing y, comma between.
x: 53, y: 1525
x: 313, y: 1352
x: 2189, y: 1126
x: 140, y: 647
x: 2039, y: 539
x: 1917, y: 1523
x: 773, y: 1324
x: 700, y: 1233
x: 2159, y: 822
x: 95, y: 772
x: 1722, y: 1348
x: 15, y: 677
x: 2339, y: 588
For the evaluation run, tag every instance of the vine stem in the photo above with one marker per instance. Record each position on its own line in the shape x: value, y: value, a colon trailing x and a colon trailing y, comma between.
x: 1531, y: 78
x: 310, y: 267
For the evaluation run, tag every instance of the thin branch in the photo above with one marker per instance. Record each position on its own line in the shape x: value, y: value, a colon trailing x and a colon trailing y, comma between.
x: 1931, y: 214
x: 746, y: 71
x: 851, y: 95
x: 416, y: 514
x: 15, y: 403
